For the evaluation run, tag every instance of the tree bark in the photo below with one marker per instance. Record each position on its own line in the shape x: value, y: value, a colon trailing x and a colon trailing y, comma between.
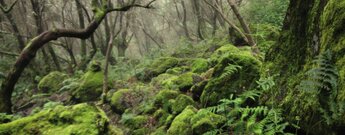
x: 243, y: 23
x: 82, y: 26
x: 36, y: 43
x: 184, y: 21
x: 200, y: 22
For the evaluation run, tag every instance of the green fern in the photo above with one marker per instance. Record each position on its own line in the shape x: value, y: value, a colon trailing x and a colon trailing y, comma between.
x: 250, y: 120
x: 322, y: 80
x: 230, y: 70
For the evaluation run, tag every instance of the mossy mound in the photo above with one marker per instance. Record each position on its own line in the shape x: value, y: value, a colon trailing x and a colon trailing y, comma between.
x: 235, y: 72
x: 79, y: 119
x: 181, y: 102
x: 90, y: 87
x: 205, y: 121
x: 182, y: 125
x: 163, y: 97
x: 200, y: 65
x: 161, y: 116
x: 51, y: 82
x: 164, y: 81
x: 157, y: 67
x: 136, y: 122
x: 184, y: 82
x: 126, y: 98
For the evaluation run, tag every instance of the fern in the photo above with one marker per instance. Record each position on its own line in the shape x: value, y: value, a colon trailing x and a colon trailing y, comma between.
x: 230, y: 70
x: 322, y: 80
x: 250, y: 120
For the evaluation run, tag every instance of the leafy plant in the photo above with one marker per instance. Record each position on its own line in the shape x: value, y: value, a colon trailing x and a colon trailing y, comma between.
x: 322, y: 81
x: 230, y: 70
x: 244, y: 119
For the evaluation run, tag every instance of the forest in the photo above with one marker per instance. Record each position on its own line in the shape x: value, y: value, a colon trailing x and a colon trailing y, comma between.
x: 172, y: 67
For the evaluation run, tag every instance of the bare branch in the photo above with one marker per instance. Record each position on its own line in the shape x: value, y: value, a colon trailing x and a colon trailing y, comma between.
x: 128, y: 7
x: 7, y: 10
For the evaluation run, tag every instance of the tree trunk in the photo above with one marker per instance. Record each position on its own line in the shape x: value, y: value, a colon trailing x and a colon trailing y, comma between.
x: 184, y: 21
x: 310, y: 28
x: 200, y: 22
x: 244, y: 25
x: 82, y: 26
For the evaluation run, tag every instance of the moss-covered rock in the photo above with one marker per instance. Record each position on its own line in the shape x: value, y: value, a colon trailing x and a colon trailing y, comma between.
x: 180, y: 103
x: 226, y: 80
x: 126, y: 98
x: 90, y: 87
x: 205, y: 121
x: 185, y: 81
x: 182, y: 125
x: 178, y: 70
x: 164, y: 81
x: 136, y: 122
x: 157, y: 67
x: 163, y: 97
x: 197, y: 89
x: 199, y: 65
x: 79, y: 119
x: 160, y: 131
x: 161, y: 116
x: 52, y: 82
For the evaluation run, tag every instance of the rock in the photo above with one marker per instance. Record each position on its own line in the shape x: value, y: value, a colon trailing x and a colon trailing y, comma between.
x: 79, y: 119
x: 52, y: 82
x: 182, y: 125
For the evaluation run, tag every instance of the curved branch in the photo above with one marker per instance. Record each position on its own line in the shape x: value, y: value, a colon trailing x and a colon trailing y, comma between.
x: 3, y: 9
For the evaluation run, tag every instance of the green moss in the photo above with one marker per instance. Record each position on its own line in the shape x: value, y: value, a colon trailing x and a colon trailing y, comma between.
x: 141, y: 131
x: 51, y: 82
x: 216, y: 56
x: 200, y: 65
x: 197, y: 90
x: 184, y: 82
x: 160, y: 131
x: 78, y: 120
x: 161, y: 116
x: 162, y: 98
x: 177, y: 70
x: 136, y: 122
x: 182, y: 125
x: 118, y: 100
x: 90, y: 87
x: 219, y: 87
x: 205, y: 121
x: 157, y: 67
x: 164, y: 81
x: 181, y: 102
x: 127, y: 98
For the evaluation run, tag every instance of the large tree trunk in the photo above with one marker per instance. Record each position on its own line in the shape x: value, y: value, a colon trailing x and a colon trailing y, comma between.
x: 36, y: 43
x: 310, y: 28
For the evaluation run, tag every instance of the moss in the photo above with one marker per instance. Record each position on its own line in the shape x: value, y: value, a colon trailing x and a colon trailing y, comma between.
x: 177, y: 70
x: 90, y: 87
x: 126, y: 98
x: 184, y: 82
x: 136, y: 122
x: 78, y: 120
x: 161, y: 116
x: 220, y: 52
x: 181, y: 102
x: 5, y: 118
x: 199, y: 65
x: 160, y: 131
x: 157, y: 67
x: 51, y: 82
x: 141, y: 131
x: 164, y: 81
x: 197, y: 90
x: 205, y: 121
x: 182, y: 125
x: 219, y: 87
x: 118, y: 101
x: 162, y: 98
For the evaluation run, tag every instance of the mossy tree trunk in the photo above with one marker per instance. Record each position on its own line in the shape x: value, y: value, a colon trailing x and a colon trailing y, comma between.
x: 310, y: 28
x: 38, y: 42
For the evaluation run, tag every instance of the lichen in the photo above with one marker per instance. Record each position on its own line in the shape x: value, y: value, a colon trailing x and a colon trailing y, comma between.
x: 62, y: 120
x: 51, y: 82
